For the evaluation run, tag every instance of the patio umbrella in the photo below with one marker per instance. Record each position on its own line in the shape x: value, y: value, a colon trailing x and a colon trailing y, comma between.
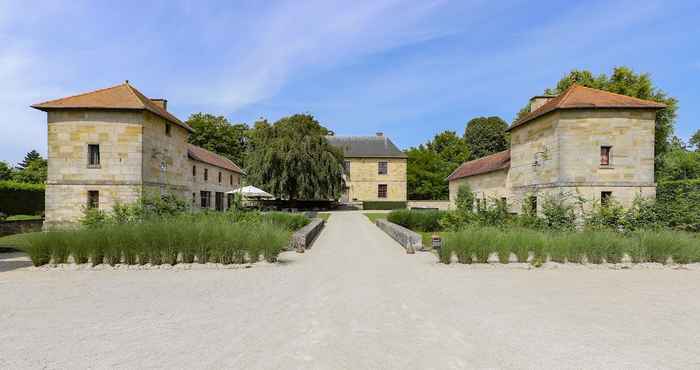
x: 251, y: 192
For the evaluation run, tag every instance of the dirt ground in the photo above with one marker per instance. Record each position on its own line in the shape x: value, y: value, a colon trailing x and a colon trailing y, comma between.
x: 354, y: 301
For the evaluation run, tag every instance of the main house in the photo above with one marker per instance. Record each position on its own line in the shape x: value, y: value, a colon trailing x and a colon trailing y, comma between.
x: 583, y: 144
x: 375, y: 169
x: 115, y: 145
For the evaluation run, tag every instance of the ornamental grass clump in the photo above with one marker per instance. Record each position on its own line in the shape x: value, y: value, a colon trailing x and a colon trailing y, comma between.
x: 38, y: 247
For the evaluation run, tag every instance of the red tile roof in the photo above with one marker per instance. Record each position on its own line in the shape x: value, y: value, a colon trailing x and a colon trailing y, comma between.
x: 577, y: 97
x: 211, y: 158
x: 122, y: 96
x: 490, y: 163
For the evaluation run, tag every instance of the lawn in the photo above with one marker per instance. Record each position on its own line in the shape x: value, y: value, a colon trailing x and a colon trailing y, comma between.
x: 23, y: 218
x: 324, y: 215
x: 375, y: 216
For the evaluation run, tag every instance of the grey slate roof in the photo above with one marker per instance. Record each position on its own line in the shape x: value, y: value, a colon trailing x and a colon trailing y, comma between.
x: 366, y: 146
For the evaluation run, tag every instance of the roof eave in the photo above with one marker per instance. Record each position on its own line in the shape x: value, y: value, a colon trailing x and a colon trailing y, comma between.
x: 479, y: 173
x: 519, y: 124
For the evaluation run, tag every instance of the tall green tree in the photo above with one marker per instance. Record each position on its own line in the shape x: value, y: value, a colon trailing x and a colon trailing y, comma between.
x: 5, y: 171
x: 430, y: 164
x: 625, y: 81
x: 450, y: 147
x: 217, y: 134
x: 486, y: 135
x: 293, y: 160
x: 695, y: 140
x: 29, y: 158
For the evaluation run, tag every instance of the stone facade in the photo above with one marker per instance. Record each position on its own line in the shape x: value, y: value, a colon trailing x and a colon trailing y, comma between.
x: 363, y: 179
x: 559, y: 153
x: 139, y: 153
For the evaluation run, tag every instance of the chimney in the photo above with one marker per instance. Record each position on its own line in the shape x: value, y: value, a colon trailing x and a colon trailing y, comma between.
x: 163, y: 103
x: 539, y: 100
x: 380, y: 134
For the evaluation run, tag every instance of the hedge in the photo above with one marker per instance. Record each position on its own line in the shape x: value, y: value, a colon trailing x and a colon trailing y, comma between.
x: 386, y: 205
x: 677, y: 203
x: 18, y: 198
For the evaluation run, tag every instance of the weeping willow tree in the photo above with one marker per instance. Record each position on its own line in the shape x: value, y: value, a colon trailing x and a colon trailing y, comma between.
x: 293, y: 160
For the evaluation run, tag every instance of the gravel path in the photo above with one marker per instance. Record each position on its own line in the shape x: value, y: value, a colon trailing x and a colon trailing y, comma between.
x: 354, y: 301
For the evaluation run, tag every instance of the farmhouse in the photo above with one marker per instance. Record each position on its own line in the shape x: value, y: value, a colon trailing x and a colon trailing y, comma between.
x: 584, y: 143
x: 115, y: 145
x: 375, y: 169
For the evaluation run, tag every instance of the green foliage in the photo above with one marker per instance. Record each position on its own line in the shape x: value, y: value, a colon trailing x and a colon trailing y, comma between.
x: 424, y: 221
x: 465, y: 198
x: 486, y: 135
x: 21, y: 198
x: 187, y: 238
x: 625, y: 81
x: 695, y: 141
x: 429, y: 165
x: 146, y: 208
x: 558, y: 213
x: 679, y: 164
x: 6, y: 171
x: 293, y: 160
x: 217, y: 134
x: 383, y: 205
x: 677, y: 204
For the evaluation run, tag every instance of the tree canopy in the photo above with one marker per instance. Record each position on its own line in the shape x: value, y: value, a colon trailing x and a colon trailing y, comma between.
x: 486, y: 135
x: 28, y: 159
x: 293, y: 160
x: 5, y: 171
x: 695, y: 140
x: 217, y: 134
x: 625, y: 81
x: 33, y: 169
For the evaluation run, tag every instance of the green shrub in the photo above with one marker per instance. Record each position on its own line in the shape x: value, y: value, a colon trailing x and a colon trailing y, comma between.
x: 383, y: 205
x: 38, y: 247
x: 422, y: 221
x: 17, y: 198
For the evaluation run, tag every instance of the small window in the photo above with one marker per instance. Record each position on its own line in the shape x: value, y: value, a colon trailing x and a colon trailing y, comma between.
x: 383, y: 168
x: 219, y: 177
x: 206, y: 174
x: 168, y: 129
x: 205, y: 199
x: 194, y: 198
x: 93, y: 155
x: 346, y: 167
x: 605, y: 155
x: 194, y: 171
x: 230, y: 180
x: 93, y: 199
x: 504, y: 200
x: 381, y: 191
x: 531, y: 205
x: 605, y: 198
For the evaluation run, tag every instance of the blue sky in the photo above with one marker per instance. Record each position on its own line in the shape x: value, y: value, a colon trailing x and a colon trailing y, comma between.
x: 409, y: 69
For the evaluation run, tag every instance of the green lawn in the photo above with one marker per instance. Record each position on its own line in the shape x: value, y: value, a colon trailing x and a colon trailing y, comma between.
x: 375, y: 216
x: 23, y: 218
x: 324, y: 215
x: 16, y: 240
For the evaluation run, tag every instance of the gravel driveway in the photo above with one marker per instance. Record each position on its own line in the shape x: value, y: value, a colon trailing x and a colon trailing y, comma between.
x: 354, y: 301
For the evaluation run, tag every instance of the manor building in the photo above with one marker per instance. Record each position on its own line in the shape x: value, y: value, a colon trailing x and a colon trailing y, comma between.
x: 114, y: 145
x: 582, y: 144
x: 374, y: 169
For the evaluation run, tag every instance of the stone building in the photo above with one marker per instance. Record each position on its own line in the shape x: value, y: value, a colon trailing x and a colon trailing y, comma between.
x: 583, y: 144
x: 375, y: 169
x: 115, y: 145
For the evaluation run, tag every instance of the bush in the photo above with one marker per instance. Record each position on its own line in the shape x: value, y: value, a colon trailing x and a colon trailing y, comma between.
x: 425, y: 221
x: 383, y: 205
x: 677, y: 202
x: 17, y: 198
x: 185, y: 238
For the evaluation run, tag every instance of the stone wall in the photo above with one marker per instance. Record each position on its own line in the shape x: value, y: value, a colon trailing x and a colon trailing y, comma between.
x: 410, y: 240
x: 165, y: 162
x: 20, y: 226
x: 484, y: 186
x: 364, y: 179
x: 429, y: 204
x: 65, y: 203
x: 197, y: 183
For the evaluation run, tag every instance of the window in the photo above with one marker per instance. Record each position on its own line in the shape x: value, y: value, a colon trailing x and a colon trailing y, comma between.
x: 168, y: 129
x: 383, y: 168
x: 605, y: 155
x: 194, y: 171
x: 381, y: 191
x: 531, y: 206
x: 346, y: 167
x: 93, y: 199
x: 94, y: 155
x: 230, y: 180
x: 504, y: 201
x: 605, y: 197
x: 205, y: 199
x: 194, y: 198
x: 219, y: 177
x: 219, y: 201
x: 206, y: 174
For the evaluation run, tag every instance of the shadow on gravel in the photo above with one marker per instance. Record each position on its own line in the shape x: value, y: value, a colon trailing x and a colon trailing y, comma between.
x: 13, y: 260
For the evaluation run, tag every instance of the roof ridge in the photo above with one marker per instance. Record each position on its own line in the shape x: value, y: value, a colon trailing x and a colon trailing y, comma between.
x: 81, y: 94
x: 621, y: 95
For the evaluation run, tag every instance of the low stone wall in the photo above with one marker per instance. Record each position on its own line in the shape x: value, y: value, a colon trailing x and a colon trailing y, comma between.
x: 18, y: 227
x: 442, y: 205
x: 408, y: 239
x: 302, y: 238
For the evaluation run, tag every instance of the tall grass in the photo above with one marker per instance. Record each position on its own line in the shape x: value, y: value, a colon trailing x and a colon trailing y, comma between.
x: 591, y: 246
x: 173, y: 240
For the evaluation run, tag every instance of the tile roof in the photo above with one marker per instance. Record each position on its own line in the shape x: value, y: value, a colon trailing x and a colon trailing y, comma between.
x: 577, y: 97
x: 123, y: 96
x: 490, y: 163
x: 211, y: 158
x: 366, y: 146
